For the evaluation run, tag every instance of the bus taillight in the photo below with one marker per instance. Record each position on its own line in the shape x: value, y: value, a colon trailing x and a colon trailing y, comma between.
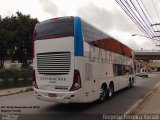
x: 76, y: 81
x: 34, y: 80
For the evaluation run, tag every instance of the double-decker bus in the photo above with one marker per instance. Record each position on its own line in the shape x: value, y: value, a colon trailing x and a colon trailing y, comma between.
x: 74, y: 62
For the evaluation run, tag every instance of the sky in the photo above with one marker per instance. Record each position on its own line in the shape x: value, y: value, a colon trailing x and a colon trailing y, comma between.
x: 106, y: 15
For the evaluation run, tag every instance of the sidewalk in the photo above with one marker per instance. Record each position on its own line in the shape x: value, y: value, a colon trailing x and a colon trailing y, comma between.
x: 150, y: 104
x: 12, y: 91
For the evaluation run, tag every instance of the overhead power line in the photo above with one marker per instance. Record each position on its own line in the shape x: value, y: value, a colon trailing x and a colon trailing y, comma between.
x: 137, y: 12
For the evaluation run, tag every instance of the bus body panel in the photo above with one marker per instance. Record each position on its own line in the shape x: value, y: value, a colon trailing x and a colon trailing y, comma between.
x: 91, y: 81
x: 53, y: 82
x: 59, y: 97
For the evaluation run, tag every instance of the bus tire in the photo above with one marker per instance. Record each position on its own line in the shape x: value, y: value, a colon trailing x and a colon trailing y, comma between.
x: 110, y: 90
x: 131, y: 81
x: 103, y: 93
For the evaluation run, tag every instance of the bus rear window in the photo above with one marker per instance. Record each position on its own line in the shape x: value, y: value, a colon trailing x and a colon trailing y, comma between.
x: 54, y: 28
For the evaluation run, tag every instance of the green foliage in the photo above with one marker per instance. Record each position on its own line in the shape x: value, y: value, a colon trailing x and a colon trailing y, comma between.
x: 15, y: 78
x: 16, y: 38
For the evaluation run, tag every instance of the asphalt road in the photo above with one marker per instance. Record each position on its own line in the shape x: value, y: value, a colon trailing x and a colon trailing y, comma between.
x: 25, y: 105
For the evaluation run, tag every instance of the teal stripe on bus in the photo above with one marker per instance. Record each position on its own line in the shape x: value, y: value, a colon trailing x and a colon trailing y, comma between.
x: 78, y: 39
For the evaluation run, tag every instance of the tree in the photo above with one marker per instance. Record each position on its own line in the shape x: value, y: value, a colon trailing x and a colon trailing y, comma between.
x: 25, y: 28
x: 1, y: 46
x: 5, y: 36
x: 16, y: 38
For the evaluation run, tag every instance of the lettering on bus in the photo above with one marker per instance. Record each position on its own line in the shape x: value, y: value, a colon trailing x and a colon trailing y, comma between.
x: 53, y: 78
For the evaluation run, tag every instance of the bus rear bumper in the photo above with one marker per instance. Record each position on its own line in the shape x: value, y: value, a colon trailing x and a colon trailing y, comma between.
x: 59, y: 97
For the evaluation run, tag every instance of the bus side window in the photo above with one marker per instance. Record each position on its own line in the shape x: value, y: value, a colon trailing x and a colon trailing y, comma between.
x: 114, y: 70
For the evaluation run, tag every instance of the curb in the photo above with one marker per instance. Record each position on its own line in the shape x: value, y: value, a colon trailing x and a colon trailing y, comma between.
x: 10, y: 94
x: 134, y: 109
x: 22, y: 90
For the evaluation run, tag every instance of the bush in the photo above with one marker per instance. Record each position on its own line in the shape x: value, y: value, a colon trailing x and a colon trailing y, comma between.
x: 6, y: 75
x: 11, y: 77
x: 1, y: 73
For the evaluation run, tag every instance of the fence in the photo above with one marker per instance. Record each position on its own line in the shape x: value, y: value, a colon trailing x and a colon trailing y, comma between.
x: 10, y: 78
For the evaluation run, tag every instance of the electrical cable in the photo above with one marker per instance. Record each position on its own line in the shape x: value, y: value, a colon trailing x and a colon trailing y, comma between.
x: 139, y: 15
x: 141, y: 26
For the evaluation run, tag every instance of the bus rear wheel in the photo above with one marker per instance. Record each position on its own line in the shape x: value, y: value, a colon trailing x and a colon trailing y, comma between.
x: 131, y: 81
x: 103, y: 94
x: 110, y: 91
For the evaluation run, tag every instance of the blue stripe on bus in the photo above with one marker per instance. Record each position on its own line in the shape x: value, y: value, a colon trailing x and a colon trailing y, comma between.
x: 78, y: 39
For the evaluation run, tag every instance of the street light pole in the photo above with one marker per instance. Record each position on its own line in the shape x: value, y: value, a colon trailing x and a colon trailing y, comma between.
x: 141, y: 36
x: 147, y: 37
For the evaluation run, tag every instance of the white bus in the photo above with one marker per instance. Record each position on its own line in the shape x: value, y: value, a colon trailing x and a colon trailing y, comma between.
x: 75, y: 62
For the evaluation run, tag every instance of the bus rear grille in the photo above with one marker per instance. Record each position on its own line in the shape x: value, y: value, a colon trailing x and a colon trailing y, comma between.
x: 54, y: 63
